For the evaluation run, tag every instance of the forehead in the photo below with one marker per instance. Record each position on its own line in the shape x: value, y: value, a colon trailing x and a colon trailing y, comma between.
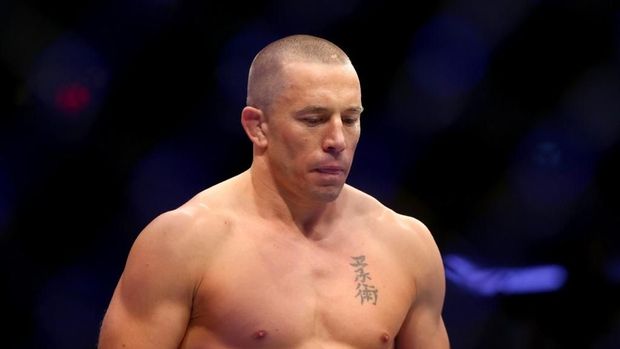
x: 305, y: 83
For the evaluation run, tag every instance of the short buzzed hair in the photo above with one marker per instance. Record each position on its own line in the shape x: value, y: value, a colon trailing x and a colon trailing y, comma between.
x: 264, y: 80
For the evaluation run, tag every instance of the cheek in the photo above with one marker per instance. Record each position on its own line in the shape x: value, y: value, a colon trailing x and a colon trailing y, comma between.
x: 354, y: 137
x: 293, y: 152
x: 296, y: 145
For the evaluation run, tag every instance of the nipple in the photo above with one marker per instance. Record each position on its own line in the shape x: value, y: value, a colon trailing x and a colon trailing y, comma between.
x: 260, y: 334
x: 385, y: 338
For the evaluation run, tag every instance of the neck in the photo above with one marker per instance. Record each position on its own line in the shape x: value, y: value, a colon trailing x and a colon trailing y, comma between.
x: 276, y: 204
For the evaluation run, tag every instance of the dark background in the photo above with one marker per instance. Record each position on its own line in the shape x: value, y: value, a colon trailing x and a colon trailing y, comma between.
x: 495, y: 122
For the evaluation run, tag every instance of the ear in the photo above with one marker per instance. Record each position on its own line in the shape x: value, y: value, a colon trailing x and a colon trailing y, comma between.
x: 253, y: 122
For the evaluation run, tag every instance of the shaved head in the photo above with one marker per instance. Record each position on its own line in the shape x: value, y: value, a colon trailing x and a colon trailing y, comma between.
x: 265, y: 78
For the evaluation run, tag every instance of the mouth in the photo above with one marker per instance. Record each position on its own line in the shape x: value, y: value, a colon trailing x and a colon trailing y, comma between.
x: 330, y: 170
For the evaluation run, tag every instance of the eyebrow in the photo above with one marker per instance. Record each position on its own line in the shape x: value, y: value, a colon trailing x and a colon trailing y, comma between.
x: 359, y: 109
x: 319, y: 110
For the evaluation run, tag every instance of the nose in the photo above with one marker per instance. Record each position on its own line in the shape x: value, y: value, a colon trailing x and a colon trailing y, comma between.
x: 334, y: 140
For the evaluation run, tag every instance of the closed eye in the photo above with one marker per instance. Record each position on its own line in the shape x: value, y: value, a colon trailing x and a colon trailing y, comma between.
x: 350, y: 120
x: 312, y: 120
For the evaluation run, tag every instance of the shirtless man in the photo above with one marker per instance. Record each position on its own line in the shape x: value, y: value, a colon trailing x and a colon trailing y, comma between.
x: 285, y: 254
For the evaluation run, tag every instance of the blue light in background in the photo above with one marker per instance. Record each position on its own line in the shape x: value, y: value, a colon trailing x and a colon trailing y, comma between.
x: 167, y: 177
x: 495, y: 19
x: 612, y: 270
x: 553, y: 167
x: 551, y: 172
x: 448, y: 57
x: 592, y: 105
x: 235, y: 60
x: 375, y: 169
x: 69, y: 309
x: 490, y: 281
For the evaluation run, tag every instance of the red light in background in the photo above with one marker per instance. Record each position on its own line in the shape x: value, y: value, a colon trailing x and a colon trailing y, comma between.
x: 72, y: 98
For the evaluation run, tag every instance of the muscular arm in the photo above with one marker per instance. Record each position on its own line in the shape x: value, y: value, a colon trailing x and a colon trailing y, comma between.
x: 423, y: 326
x: 151, y: 305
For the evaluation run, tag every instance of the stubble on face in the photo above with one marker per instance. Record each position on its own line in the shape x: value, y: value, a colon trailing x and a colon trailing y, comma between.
x: 297, y: 149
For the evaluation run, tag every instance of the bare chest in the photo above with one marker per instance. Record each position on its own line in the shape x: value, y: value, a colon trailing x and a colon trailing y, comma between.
x: 282, y: 293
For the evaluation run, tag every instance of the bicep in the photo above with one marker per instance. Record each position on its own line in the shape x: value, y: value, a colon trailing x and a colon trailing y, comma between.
x: 158, y: 324
x: 423, y: 326
x: 151, y: 304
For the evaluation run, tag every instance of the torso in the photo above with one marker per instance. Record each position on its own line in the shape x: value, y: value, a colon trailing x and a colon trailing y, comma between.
x: 265, y: 287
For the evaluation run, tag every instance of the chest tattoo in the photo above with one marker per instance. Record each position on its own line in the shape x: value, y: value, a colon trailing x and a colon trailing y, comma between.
x: 366, y: 292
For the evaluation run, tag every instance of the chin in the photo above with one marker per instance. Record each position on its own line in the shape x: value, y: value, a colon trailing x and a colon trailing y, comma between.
x: 326, y: 195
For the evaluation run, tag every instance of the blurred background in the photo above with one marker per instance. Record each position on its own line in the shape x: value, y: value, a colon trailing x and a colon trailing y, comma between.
x: 495, y: 122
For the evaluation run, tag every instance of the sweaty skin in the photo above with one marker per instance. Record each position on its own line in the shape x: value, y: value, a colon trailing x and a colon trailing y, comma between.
x: 285, y: 254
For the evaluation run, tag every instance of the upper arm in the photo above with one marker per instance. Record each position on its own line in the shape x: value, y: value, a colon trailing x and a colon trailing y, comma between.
x: 151, y: 304
x: 423, y: 326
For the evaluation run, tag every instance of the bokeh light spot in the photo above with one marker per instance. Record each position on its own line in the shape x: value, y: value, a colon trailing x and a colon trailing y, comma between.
x: 73, y: 98
x: 70, y: 82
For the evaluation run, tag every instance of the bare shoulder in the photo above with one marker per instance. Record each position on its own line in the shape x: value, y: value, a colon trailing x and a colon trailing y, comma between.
x: 166, y: 264
x: 401, y: 233
x: 406, y: 227
x: 186, y: 227
x: 190, y: 232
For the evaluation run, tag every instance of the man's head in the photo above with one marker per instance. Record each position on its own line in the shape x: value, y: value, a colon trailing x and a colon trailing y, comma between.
x: 265, y: 80
x: 304, y: 105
